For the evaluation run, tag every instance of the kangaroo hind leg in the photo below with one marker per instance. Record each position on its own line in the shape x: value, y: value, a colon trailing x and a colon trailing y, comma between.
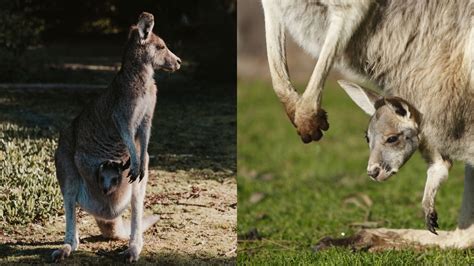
x: 70, y: 182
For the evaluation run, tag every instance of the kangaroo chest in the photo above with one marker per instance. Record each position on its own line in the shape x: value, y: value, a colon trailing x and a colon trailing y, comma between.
x: 142, y: 108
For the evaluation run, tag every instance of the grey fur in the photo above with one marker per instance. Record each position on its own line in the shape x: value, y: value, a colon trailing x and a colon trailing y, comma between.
x: 395, y: 131
x: 115, y: 128
x: 422, y: 51
x: 414, y: 49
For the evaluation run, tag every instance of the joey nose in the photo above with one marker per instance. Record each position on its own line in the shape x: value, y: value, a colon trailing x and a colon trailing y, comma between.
x: 178, y: 60
x: 374, y: 172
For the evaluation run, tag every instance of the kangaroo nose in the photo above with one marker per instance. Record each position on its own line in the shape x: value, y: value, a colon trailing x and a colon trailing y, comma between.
x: 105, y: 190
x: 179, y: 61
x: 374, y: 172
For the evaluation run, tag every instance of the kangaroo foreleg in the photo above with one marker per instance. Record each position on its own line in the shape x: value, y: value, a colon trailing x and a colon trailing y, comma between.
x: 310, y: 119
x: 276, y: 53
x: 143, y: 133
x: 126, y: 133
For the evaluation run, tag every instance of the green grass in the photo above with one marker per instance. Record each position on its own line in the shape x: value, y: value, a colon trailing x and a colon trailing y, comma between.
x: 295, y: 194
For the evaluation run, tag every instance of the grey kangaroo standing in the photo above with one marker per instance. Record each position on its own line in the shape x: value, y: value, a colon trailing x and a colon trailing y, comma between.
x: 111, y: 131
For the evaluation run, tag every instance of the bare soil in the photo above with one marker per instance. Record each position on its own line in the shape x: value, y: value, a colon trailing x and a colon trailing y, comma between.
x: 197, y: 226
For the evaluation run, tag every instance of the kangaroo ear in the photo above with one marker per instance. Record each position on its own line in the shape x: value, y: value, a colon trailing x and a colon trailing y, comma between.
x: 145, y: 24
x: 363, y: 97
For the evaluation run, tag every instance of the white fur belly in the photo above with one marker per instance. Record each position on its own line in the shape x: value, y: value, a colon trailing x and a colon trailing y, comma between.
x: 103, y: 207
x: 306, y: 21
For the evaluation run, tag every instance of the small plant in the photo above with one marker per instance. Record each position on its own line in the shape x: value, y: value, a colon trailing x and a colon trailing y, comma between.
x: 28, y: 188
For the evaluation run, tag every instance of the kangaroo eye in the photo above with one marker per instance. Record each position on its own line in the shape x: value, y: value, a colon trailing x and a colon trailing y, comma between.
x: 366, y: 138
x: 392, y: 139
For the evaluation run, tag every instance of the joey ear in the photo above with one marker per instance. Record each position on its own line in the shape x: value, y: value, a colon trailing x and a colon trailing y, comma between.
x: 363, y: 97
x: 398, y: 106
x: 145, y: 24
x: 99, y: 171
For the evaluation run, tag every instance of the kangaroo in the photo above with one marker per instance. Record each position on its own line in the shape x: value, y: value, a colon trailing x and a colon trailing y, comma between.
x: 397, y: 129
x: 93, y: 152
x: 363, y: 39
x: 430, y: 63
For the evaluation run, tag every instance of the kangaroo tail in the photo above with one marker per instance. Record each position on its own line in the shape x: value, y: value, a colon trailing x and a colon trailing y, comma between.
x: 148, y: 221
x: 120, y: 229
x: 114, y: 229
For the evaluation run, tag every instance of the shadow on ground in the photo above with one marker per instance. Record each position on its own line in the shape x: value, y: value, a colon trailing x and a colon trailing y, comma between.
x: 40, y: 253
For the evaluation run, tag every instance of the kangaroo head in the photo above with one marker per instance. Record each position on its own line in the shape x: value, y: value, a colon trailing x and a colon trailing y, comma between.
x: 109, y: 175
x: 393, y: 131
x: 145, y: 47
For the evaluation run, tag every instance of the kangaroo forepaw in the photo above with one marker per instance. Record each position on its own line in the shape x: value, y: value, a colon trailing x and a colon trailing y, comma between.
x: 133, y: 174
x: 62, y: 253
x: 142, y: 174
x: 310, y: 125
x: 431, y: 219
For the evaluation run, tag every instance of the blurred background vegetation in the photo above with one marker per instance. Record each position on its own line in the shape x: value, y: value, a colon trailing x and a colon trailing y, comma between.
x: 194, y: 28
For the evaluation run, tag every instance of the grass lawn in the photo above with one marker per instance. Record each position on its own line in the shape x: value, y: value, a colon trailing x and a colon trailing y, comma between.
x: 291, y: 195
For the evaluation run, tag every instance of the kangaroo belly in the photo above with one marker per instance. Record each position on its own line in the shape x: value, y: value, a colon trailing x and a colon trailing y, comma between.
x: 106, y: 207
x: 306, y: 21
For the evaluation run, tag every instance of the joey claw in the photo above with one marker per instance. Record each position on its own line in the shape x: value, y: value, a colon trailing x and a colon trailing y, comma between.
x: 432, y: 222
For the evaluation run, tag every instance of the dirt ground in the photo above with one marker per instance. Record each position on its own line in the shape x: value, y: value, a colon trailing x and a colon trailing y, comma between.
x: 197, y: 226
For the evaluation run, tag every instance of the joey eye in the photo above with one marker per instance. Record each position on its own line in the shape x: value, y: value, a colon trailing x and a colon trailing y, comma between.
x: 392, y: 139
x: 114, y: 180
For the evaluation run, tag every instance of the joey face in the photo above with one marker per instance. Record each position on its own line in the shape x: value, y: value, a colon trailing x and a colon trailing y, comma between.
x: 393, y: 131
x: 392, y: 139
x: 149, y: 48
x: 109, y: 176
